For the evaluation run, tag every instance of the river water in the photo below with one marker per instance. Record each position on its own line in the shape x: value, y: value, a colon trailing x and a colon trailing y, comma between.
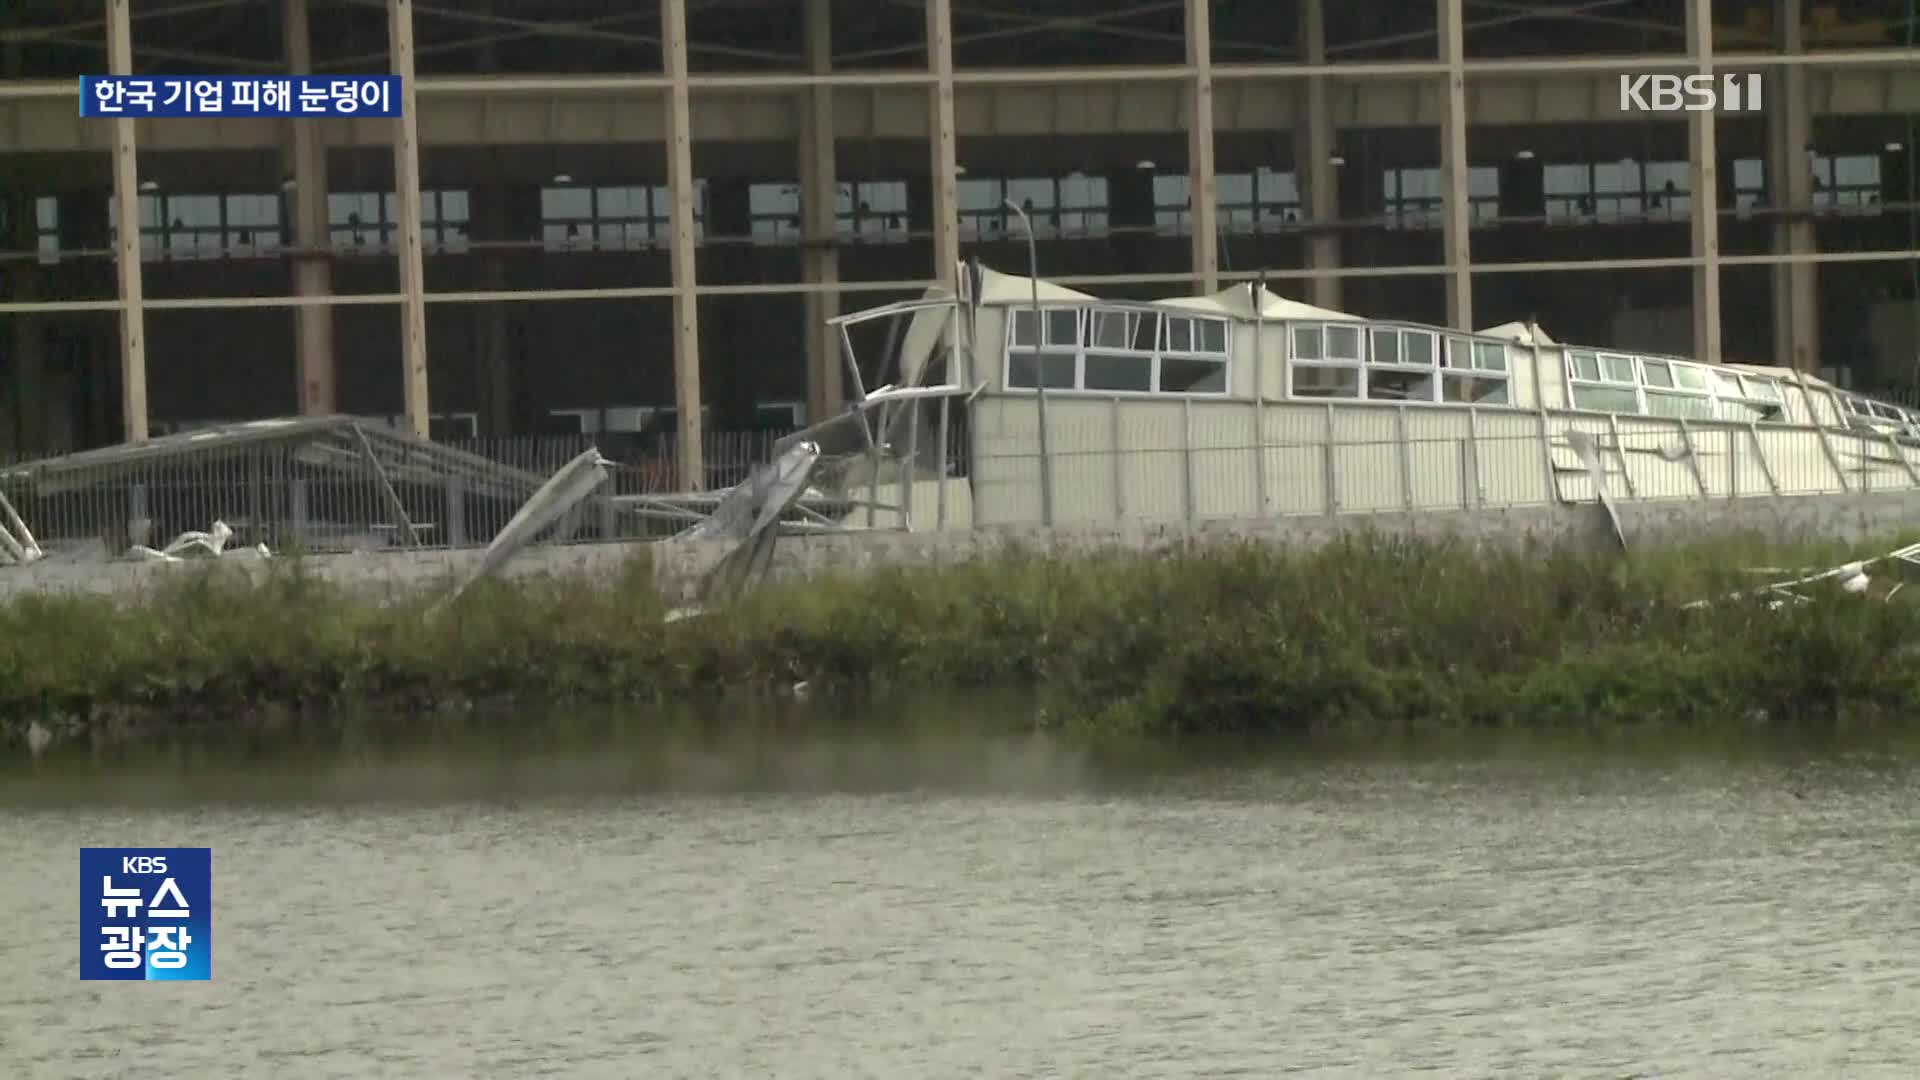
x: 1489, y: 917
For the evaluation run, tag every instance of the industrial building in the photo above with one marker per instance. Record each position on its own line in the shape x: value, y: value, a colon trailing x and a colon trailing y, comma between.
x: 635, y: 217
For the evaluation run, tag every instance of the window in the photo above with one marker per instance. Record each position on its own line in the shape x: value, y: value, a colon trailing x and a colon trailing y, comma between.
x: 1848, y: 183
x: 1658, y: 386
x: 1059, y: 350
x: 1416, y: 197
x: 1402, y: 366
x: 1619, y: 190
x: 774, y: 213
x: 1193, y: 356
x: 1072, y: 205
x: 1260, y: 201
x: 1675, y: 389
x: 1669, y: 190
x: 1602, y: 382
x: 628, y: 217
x: 1173, y: 204
x: 253, y: 224
x: 981, y: 215
x: 185, y: 226
x: 1326, y: 361
x: 1863, y: 412
x: 1083, y: 206
x: 369, y: 220
x: 1118, y: 350
x: 1476, y: 373
x: 780, y: 414
x: 1749, y: 184
x: 872, y: 210
x: 46, y: 227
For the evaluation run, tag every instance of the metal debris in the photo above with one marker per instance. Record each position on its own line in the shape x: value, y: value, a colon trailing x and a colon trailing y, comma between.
x: 195, y: 544
x: 15, y: 538
x: 563, y: 491
x: 1852, y: 577
x: 1589, y: 451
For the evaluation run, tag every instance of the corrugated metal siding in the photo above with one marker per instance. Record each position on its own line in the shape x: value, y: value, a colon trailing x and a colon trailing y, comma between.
x: 1168, y: 458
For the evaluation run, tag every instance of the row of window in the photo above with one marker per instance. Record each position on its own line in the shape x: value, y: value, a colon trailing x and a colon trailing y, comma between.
x: 1114, y: 349
x: 1865, y: 412
x: 1657, y: 386
x: 1615, y: 190
x: 1117, y: 350
x: 1394, y: 363
x: 636, y: 216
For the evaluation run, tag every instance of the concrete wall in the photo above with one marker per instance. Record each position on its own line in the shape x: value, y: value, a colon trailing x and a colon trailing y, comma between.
x: 677, y: 567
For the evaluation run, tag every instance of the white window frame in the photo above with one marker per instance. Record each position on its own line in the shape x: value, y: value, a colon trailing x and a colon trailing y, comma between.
x: 1602, y: 380
x: 1086, y: 317
x: 1476, y: 366
x: 1754, y: 391
x: 1357, y: 363
x: 1441, y: 370
x: 1678, y: 372
x: 1436, y: 345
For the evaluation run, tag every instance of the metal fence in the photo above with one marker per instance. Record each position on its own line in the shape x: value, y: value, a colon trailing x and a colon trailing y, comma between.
x: 1193, y: 461
x: 308, y: 497
x: 1109, y: 461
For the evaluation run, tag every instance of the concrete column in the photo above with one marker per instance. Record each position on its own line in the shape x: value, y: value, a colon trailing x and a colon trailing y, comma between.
x: 1313, y: 161
x: 1456, y: 231
x: 406, y: 187
x: 126, y: 201
x: 313, y: 266
x: 1205, y: 210
x: 1706, y: 193
x: 941, y: 132
x: 686, y: 300
x: 820, y: 262
x: 1796, y: 307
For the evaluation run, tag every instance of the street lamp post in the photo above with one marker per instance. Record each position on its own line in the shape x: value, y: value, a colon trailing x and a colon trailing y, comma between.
x: 1039, y: 371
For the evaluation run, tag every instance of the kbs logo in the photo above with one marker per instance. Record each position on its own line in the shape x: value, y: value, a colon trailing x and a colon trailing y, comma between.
x: 146, y: 914
x: 1693, y: 93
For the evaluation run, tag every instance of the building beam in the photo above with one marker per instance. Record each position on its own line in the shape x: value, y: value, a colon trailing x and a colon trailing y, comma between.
x: 312, y: 266
x: 1313, y: 160
x: 126, y: 201
x: 1456, y: 230
x: 686, y: 301
x: 1706, y: 193
x: 1204, y: 205
x: 406, y: 187
x: 943, y: 136
x: 1796, y: 309
x: 898, y: 285
x: 819, y: 186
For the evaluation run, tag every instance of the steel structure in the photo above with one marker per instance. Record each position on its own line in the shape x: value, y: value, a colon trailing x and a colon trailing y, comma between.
x: 1312, y: 92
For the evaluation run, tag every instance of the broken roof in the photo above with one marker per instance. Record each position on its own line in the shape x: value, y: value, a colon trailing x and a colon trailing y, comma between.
x: 325, y: 441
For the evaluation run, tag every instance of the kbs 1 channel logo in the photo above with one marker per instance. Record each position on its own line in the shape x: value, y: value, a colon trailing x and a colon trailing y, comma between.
x: 146, y: 914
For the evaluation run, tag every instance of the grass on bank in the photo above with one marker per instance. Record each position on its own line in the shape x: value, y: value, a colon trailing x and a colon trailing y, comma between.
x: 1367, y: 634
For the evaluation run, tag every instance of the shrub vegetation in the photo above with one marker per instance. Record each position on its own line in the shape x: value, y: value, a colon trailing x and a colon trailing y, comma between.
x: 1362, y: 636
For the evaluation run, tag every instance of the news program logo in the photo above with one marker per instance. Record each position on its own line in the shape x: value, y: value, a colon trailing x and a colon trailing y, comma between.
x: 1693, y: 93
x: 146, y: 914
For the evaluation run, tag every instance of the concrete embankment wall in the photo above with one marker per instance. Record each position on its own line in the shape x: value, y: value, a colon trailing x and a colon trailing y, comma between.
x: 677, y: 567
